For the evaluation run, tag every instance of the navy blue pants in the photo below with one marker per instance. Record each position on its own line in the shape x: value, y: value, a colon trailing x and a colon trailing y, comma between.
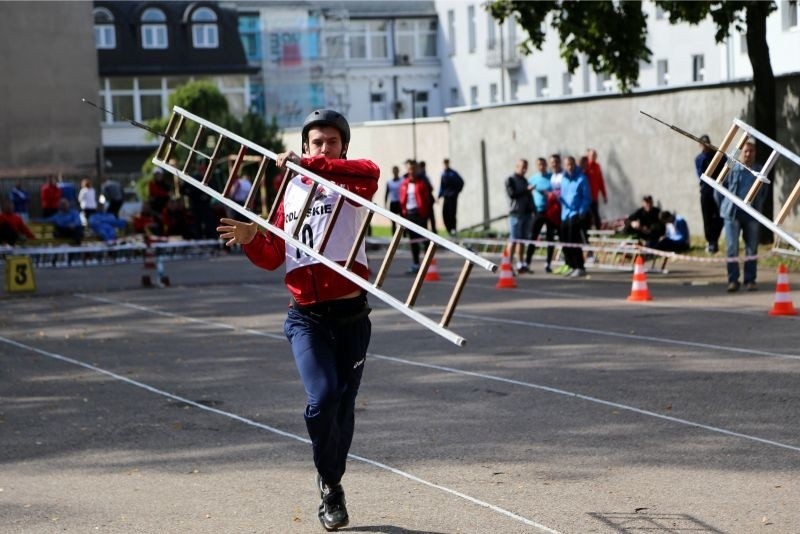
x: 329, y: 342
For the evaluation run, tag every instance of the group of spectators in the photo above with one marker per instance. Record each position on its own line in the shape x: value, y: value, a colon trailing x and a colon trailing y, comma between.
x: 559, y: 199
x: 411, y: 196
x: 61, y: 202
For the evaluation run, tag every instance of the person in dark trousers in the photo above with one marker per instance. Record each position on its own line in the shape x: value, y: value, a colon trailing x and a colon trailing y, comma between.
x: 520, y: 214
x: 327, y: 323
x: 392, y: 197
x: 422, y: 171
x: 576, y: 201
x: 712, y: 221
x: 450, y: 186
x: 415, y: 205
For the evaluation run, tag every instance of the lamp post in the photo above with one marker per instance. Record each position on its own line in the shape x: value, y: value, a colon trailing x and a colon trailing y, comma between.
x: 413, y: 93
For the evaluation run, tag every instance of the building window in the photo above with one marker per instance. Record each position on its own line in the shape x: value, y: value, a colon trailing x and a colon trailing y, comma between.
x: 378, y: 110
x: 454, y: 100
x: 662, y: 72
x: 493, y: 93
x: 205, y: 33
x: 566, y: 84
x: 473, y: 95
x: 743, y: 44
x: 154, y: 29
x: 105, y: 35
x: 792, y: 16
x: 491, y: 34
x: 250, y: 34
x: 421, y: 104
x: 471, y: 29
x: 451, y: 31
x: 541, y: 87
x: 604, y: 83
x: 416, y: 38
x: 698, y: 68
x: 514, y: 90
x: 369, y: 39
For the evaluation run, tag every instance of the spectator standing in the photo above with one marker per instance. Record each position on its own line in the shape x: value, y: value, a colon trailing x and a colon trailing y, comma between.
x: 576, y: 200
x: 87, y: 199
x: 431, y: 220
x: 597, y: 186
x: 67, y: 222
x: 520, y: 214
x: 158, y: 191
x: 645, y: 223
x: 415, y: 204
x: 676, y: 237
x: 12, y: 227
x: 739, y: 222
x: 450, y: 186
x: 327, y: 323
x: 21, y: 201
x: 542, y: 194
x: 49, y: 194
x: 392, y: 197
x: 712, y: 221
x: 113, y: 196
x: 68, y: 191
x: 239, y: 193
x: 556, y: 173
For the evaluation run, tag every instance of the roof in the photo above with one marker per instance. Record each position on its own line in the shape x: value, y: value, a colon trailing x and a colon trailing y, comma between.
x: 180, y: 57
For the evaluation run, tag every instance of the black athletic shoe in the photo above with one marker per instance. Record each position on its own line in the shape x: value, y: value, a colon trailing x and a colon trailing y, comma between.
x: 332, y: 510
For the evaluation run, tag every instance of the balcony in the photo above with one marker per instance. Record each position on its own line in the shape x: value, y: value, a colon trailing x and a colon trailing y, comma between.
x: 511, y: 57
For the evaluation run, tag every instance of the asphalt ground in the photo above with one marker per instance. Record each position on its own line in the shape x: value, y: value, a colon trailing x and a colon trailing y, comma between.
x: 569, y: 410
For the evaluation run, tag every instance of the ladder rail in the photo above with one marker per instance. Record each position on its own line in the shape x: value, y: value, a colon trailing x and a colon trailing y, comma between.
x: 423, y: 232
x: 351, y: 276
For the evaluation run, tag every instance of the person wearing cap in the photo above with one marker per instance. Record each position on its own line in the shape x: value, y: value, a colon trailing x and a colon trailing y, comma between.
x: 327, y: 324
x: 645, y: 223
x: 712, y: 222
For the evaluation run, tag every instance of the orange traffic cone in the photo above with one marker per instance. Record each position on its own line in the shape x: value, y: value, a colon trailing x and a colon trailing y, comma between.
x: 433, y: 273
x: 783, y: 299
x: 506, y: 280
x: 639, y: 291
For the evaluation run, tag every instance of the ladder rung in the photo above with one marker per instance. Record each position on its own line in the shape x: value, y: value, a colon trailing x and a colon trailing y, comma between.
x: 259, y: 177
x: 362, y: 233
x: 304, y: 212
x: 389, y: 257
x: 721, y: 152
x: 423, y: 269
x: 326, y: 235
x: 732, y: 159
x: 456, y: 294
x: 789, y: 204
x: 174, y: 135
x: 234, y: 171
x: 192, y: 150
x: 213, y: 160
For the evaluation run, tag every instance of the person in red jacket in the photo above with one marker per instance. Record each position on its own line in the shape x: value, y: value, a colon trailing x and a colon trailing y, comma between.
x: 597, y: 185
x: 328, y: 323
x: 50, y: 194
x: 12, y: 227
x: 415, y: 205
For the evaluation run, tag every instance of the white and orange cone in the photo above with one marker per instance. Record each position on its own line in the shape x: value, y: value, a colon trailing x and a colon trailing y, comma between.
x: 506, y: 280
x: 783, y: 298
x: 433, y: 273
x: 639, y: 291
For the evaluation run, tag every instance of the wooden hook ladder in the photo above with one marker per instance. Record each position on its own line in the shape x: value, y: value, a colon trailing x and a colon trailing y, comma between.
x: 176, y: 156
x: 745, y: 131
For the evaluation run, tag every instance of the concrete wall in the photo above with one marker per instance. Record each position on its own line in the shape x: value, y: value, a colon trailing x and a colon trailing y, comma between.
x: 49, y: 63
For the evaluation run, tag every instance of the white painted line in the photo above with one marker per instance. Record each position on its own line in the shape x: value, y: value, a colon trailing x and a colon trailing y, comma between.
x: 635, y: 337
x: 530, y: 385
x: 268, y: 428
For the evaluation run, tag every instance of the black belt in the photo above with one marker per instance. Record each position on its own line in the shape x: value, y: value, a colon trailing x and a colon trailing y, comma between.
x: 341, y: 311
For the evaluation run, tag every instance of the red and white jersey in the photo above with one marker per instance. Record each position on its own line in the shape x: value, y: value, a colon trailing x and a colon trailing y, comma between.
x: 308, y: 281
x: 316, y: 221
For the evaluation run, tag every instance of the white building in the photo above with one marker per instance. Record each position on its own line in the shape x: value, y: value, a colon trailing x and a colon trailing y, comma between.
x: 481, y: 65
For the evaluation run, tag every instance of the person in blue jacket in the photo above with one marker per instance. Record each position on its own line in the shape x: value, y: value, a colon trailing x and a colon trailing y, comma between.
x: 67, y: 222
x: 105, y: 224
x: 576, y: 199
x: 676, y: 238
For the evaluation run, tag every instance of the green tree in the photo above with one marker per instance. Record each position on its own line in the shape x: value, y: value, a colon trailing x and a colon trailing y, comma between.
x: 613, y: 35
x: 205, y: 100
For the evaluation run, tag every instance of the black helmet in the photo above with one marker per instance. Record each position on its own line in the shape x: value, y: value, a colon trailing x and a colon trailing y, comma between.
x: 326, y: 117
